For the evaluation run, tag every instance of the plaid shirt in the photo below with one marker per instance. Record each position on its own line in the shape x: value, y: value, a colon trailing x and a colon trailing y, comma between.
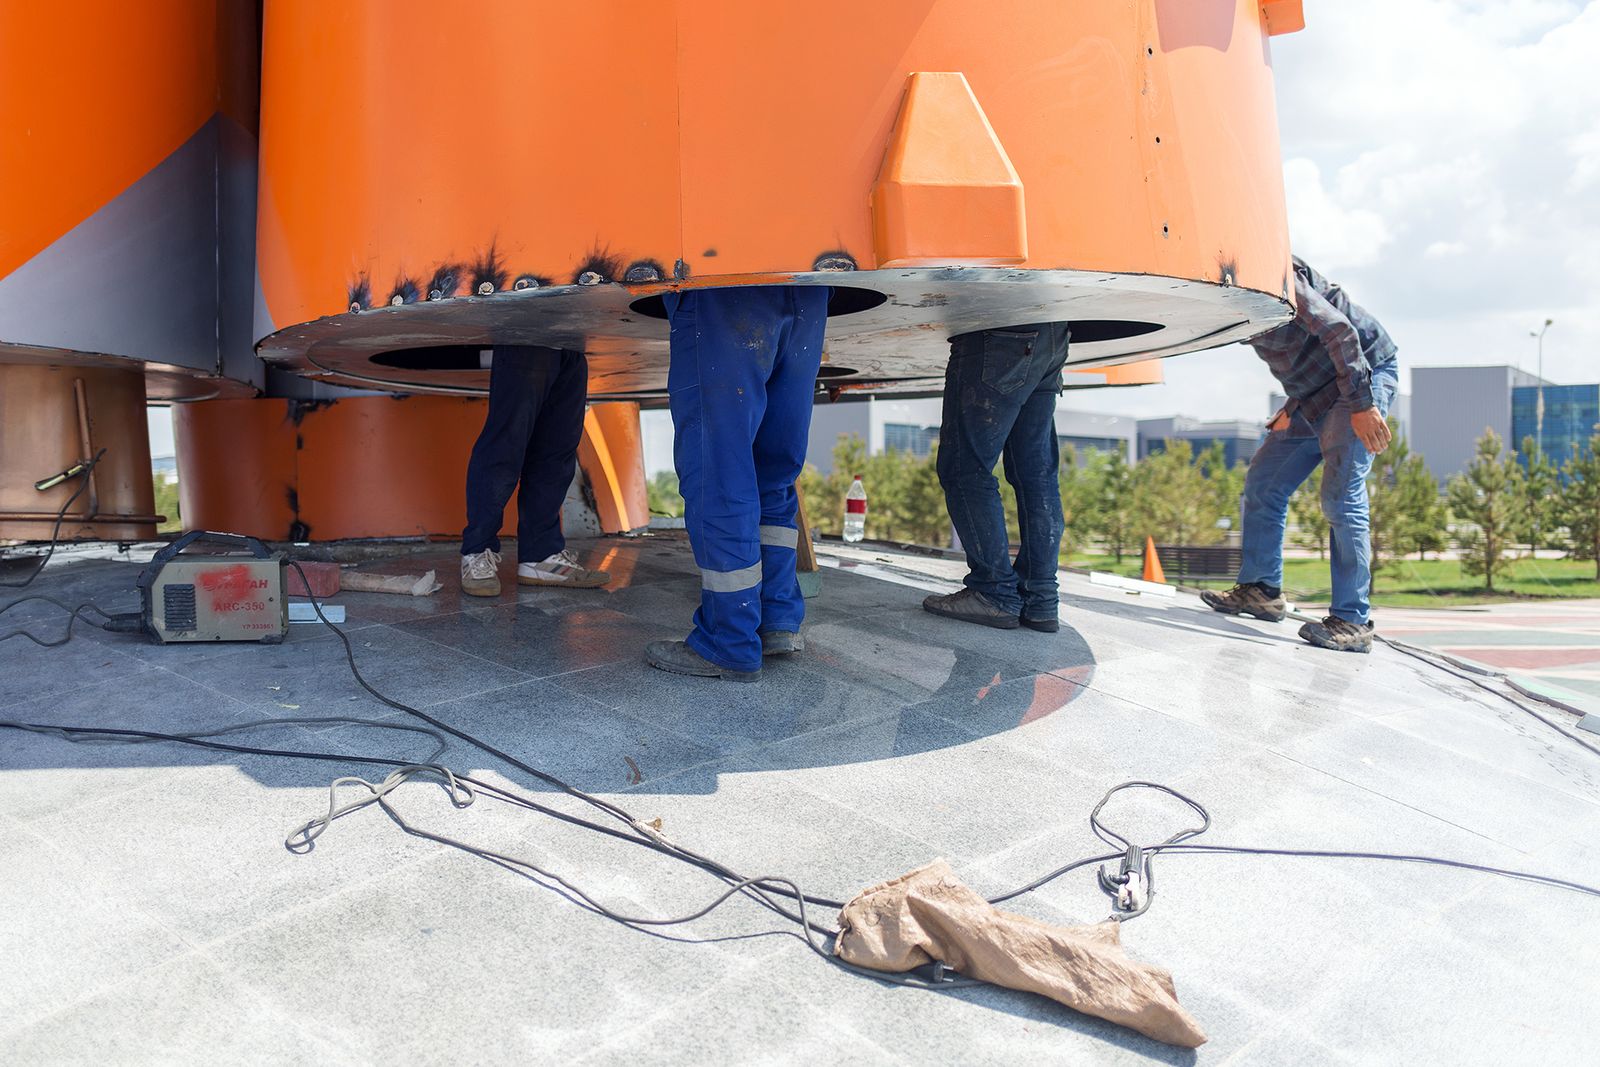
x: 1328, y: 351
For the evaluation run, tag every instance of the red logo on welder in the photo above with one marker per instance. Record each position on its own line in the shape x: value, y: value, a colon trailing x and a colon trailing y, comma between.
x: 229, y: 586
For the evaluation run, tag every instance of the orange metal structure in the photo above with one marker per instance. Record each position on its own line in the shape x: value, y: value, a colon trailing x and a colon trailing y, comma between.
x: 943, y: 165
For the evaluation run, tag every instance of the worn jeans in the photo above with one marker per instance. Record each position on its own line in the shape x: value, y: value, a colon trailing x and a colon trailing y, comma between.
x: 1000, y: 392
x: 529, y: 446
x: 1285, y: 460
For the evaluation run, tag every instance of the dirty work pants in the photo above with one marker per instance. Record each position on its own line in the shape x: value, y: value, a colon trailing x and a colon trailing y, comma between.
x: 1000, y: 391
x: 1287, y: 458
x: 741, y: 383
x: 530, y: 435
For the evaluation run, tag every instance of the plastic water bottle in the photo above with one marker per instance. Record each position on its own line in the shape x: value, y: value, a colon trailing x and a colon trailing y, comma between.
x: 855, y: 511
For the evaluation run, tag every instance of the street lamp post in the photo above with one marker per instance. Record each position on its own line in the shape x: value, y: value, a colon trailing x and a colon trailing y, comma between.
x: 1538, y: 408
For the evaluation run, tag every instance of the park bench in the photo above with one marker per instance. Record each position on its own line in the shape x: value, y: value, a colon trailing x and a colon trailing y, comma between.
x: 1200, y: 563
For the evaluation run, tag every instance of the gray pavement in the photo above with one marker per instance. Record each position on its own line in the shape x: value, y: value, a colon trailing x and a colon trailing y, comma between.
x: 149, y: 912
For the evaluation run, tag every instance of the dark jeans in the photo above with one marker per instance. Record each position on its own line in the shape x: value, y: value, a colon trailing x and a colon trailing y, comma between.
x: 1000, y: 394
x: 531, y: 434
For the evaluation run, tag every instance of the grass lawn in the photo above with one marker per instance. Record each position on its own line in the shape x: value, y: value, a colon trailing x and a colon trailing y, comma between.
x: 1412, y: 583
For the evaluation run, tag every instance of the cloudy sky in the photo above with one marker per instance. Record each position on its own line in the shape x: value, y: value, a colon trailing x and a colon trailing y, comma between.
x: 1442, y: 161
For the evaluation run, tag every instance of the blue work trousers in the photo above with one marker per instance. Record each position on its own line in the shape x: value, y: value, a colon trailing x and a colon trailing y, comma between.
x: 528, y: 446
x: 741, y: 383
x: 1000, y: 391
x: 1285, y: 459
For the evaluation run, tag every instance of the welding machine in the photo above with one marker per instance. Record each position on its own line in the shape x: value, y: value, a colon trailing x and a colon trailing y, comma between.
x: 214, y: 598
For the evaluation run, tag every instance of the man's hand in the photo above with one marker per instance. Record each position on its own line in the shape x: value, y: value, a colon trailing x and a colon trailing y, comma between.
x: 1280, y: 421
x: 1371, y: 429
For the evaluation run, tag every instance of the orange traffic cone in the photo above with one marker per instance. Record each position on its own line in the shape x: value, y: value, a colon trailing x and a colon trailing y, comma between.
x: 1152, y: 563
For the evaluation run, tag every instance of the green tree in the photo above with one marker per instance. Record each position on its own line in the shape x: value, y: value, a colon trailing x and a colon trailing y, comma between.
x: 1541, y: 496
x: 662, y: 491
x: 1224, y: 484
x: 1488, y: 496
x: 1173, y: 501
x: 1305, y: 512
x: 1080, y: 485
x: 1426, y: 517
x: 166, y: 497
x: 1580, y: 500
x: 1116, y: 507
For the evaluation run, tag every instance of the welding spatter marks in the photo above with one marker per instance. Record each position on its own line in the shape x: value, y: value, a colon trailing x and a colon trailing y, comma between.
x: 359, y: 294
x: 1227, y: 269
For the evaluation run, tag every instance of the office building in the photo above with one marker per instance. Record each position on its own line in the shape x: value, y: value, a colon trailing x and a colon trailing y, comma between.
x: 913, y: 426
x: 1452, y: 406
x: 1571, y: 418
x: 1240, y: 437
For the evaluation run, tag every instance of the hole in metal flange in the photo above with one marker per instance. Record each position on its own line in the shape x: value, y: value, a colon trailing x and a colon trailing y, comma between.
x: 845, y: 300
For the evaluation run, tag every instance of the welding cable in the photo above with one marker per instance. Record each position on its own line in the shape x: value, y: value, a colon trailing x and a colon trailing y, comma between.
x: 73, y: 615
x: 1439, y: 661
x: 639, y: 827
x: 935, y: 977
x: 86, y: 468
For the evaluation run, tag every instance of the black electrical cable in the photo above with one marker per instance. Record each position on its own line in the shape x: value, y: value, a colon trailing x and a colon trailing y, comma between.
x: 761, y: 889
x: 85, y: 469
x: 111, y: 622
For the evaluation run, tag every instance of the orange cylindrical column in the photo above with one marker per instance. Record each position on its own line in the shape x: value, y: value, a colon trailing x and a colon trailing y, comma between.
x: 371, y: 466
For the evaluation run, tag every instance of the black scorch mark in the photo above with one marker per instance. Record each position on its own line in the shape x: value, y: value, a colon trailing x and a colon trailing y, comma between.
x: 641, y: 271
x: 405, y: 291
x: 488, y: 273
x: 835, y: 260
x: 446, y: 279
x: 597, y: 267
x: 360, y: 294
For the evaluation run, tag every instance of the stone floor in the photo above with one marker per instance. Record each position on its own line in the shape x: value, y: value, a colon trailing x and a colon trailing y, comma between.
x: 150, y: 913
x: 1553, y: 648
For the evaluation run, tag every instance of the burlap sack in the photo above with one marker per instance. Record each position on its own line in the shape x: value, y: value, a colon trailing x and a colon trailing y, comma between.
x: 929, y: 915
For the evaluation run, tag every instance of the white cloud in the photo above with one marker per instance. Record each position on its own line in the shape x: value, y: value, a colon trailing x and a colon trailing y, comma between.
x: 1443, y: 163
x: 1327, y: 228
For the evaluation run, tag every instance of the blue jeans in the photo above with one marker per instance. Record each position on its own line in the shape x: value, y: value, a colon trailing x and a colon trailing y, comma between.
x: 741, y: 381
x: 1000, y: 391
x: 529, y: 446
x: 1285, y: 460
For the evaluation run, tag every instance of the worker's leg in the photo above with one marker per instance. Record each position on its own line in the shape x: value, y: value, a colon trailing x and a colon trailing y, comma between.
x: 723, y: 346
x: 985, y: 386
x: 780, y: 453
x: 1284, y: 460
x: 1346, y: 464
x: 519, y: 378
x: 1032, y: 464
x: 551, y: 459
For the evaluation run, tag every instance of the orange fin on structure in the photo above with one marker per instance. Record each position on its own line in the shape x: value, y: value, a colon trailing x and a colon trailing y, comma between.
x: 947, y: 193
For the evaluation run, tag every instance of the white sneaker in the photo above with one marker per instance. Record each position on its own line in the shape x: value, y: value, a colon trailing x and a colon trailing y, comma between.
x: 480, y: 573
x: 562, y: 568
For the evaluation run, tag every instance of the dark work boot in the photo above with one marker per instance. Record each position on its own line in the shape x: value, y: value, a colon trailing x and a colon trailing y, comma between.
x: 969, y: 605
x: 1338, y: 634
x: 676, y: 657
x: 781, y: 643
x: 1250, y: 598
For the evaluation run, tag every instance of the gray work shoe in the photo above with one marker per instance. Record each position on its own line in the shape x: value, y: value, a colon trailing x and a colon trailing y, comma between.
x: 676, y: 657
x: 969, y: 605
x: 480, y: 573
x: 1250, y: 599
x: 1338, y: 634
x: 781, y: 643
